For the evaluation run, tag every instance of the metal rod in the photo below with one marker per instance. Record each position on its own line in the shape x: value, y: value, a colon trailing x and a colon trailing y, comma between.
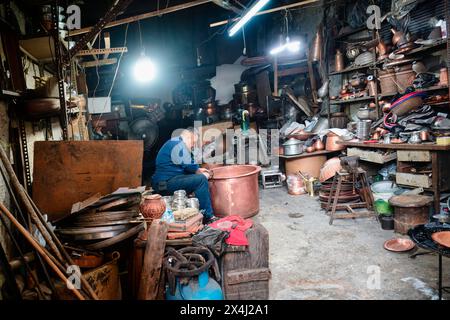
x: 62, y: 249
x: 38, y: 247
x: 23, y: 257
x: 22, y: 195
x: 10, y: 279
x: 440, y: 276
x: 143, y: 16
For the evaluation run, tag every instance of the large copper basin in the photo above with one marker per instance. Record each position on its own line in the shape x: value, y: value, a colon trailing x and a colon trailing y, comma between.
x: 235, y: 191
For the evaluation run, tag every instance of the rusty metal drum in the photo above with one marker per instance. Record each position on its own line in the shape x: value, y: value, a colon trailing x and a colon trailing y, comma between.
x: 410, y: 211
x: 235, y: 191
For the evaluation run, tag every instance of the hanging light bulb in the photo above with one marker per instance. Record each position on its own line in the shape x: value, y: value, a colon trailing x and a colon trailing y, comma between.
x: 288, y: 45
x: 144, y: 69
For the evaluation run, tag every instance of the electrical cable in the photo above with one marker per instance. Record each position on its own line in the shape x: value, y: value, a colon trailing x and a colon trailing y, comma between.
x: 115, y: 74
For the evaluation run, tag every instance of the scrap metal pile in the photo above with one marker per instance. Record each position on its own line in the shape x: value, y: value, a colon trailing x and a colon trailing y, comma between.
x: 99, y: 222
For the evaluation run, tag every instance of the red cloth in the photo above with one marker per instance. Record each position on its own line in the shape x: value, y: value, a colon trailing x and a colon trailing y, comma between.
x: 236, y: 226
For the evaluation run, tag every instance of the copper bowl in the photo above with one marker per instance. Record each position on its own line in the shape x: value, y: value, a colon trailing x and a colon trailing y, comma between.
x: 442, y: 238
x: 399, y: 245
x: 301, y: 135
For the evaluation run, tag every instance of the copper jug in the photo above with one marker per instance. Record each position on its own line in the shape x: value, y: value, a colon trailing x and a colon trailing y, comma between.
x: 152, y: 206
x: 443, y: 77
x: 339, y: 61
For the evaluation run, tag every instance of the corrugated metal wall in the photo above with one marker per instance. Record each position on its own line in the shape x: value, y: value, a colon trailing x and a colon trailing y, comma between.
x: 419, y: 18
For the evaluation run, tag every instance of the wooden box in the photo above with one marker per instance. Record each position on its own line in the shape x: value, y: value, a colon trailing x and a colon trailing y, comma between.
x: 371, y: 156
x: 413, y: 155
x: 245, y: 270
x: 414, y: 180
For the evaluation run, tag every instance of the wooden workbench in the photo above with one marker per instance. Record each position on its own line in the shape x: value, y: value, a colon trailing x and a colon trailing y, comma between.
x: 440, y: 160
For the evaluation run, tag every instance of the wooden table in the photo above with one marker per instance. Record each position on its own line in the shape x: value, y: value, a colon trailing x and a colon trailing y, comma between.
x: 440, y: 160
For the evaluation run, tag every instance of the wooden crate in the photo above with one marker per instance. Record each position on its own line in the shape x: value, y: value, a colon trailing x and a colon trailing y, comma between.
x: 245, y: 270
x: 371, y: 156
x: 414, y: 180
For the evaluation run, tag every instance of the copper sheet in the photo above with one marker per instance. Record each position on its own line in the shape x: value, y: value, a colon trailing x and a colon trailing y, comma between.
x: 442, y: 238
x: 399, y: 245
x: 66, y: 172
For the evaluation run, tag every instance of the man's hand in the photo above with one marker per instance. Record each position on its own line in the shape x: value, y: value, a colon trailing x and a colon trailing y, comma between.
x: 205, y: 172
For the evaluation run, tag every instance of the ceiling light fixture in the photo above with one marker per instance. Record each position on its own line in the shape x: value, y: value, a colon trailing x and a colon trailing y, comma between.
x: 247, y: 16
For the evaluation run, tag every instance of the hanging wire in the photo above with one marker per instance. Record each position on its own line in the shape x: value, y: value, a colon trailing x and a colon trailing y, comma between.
x: 115, y: 75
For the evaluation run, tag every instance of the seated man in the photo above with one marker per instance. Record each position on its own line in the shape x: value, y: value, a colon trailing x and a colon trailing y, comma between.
x: 176, y: 170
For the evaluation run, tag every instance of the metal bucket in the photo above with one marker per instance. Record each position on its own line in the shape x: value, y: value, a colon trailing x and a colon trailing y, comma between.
x: 235, y: 191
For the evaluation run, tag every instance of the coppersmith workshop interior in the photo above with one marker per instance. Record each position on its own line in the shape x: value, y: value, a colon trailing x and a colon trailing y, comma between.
x: 224, y: 150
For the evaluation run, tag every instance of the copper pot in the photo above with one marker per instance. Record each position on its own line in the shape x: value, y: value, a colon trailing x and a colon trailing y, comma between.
x: 310, y: 149
x: 235, y: 191
x: 332, y: 144
x: 397, y: 36
x: 318, y: 145
x: 382, y: 48
x: 152, y: 206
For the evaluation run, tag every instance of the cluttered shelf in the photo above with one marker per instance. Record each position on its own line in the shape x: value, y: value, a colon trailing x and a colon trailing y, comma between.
x: 305, y: 155
x: 429, y: 89
x: 400, y: 146
x: 355, y: 68
x: 384, y: 95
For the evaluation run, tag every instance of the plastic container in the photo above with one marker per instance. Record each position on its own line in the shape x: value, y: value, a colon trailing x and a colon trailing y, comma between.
x: 382, y: 191
x: 387, y: 222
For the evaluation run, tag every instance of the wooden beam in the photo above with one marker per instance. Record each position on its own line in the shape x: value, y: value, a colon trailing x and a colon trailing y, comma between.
x: 104, y: 62
x: 292, y: 5
x: 102, y: 51
x: 153, y: 260
x: 143, y: 16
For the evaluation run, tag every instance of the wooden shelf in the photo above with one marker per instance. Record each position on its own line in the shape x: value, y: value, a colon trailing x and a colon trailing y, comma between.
x: 306, y: 155
x: 356, y: 68
x: 349, y: 33
x: 355, y: 100
x: 434, y: 88
x: 400, y: 146
x: 10, y: 93
x: 437, y: 45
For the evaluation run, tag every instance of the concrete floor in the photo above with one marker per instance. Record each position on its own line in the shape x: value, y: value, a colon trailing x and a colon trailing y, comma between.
x: 310, y: 259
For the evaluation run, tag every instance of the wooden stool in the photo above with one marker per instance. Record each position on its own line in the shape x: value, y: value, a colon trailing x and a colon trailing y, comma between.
x: 359, y: 177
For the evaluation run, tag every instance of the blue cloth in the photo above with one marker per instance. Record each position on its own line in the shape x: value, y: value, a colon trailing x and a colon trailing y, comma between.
x: 173, y: 159
x: 175, y: 166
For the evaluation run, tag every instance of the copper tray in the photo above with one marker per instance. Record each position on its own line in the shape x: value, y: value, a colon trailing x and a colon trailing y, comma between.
x: 341, y: 199
x: 442, y: 238
x: 399, y: 245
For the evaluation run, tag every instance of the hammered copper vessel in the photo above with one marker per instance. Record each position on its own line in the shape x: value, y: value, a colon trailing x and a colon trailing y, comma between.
x: 152, y: 206
x: 235, y: 191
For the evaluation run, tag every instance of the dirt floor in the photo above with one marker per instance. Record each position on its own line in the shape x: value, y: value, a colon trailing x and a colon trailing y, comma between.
x: 310, y: 259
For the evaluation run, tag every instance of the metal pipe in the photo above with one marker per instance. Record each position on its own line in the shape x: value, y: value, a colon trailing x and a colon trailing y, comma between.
x: 22, y: 195
x: 38, y: 247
